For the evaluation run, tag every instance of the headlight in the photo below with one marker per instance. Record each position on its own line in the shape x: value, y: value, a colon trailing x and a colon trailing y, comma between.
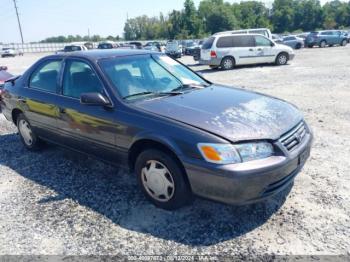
x: 232, y: 154
x: 254, y: 151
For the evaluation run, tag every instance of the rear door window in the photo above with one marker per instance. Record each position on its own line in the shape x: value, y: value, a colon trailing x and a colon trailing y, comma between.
x: 45, y: 76
x: 225, y: 42
x: 243, y: 41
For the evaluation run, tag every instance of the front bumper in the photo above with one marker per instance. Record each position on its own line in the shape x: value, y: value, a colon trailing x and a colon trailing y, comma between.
x: 248, y: 182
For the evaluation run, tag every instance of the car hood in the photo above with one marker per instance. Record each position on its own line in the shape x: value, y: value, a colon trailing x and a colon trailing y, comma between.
x: 232, y: 113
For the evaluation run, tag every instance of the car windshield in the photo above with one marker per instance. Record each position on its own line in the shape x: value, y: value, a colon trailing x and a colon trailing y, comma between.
x: 144, y: 76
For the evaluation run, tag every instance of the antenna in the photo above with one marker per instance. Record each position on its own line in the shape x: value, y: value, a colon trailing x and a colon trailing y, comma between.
x: 19, y: 22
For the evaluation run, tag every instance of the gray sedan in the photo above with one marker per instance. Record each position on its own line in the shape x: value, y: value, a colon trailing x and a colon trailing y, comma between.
x: 293, y: 41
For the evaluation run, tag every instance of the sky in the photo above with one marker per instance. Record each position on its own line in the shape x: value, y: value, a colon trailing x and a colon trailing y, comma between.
x: 44, y: 18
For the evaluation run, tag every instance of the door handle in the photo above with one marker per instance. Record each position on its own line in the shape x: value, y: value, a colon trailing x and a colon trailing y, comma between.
x: 259, y: 49
x: 251, y: 49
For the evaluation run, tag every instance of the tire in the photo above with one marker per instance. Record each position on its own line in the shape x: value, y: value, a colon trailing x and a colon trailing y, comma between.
x: 298, y: 46
x: 323, y: 44
x: 227, y: 63
x: 173, y: 191
x: 344, y: 42
x: 282, y: 59
x: 28, y: 138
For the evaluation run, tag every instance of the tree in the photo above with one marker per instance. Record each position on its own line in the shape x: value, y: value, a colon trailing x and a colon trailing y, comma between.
x: 283, y: 15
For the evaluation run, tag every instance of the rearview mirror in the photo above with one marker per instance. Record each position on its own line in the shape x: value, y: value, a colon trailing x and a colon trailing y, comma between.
x: 94, y: 99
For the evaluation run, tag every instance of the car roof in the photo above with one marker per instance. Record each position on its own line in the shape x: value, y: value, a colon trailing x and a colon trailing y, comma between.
x: 105, y: 53
x: 230, y: 34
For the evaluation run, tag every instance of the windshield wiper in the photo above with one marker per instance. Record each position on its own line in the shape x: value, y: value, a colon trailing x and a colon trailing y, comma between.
x: 190, y: 86
x: 171, y: 93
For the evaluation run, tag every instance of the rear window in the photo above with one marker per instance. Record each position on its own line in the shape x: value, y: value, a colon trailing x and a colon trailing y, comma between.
x: 208, y: 43
x: 224, y: 42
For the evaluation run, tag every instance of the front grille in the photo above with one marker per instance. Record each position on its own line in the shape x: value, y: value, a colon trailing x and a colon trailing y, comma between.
x: 293, y: 138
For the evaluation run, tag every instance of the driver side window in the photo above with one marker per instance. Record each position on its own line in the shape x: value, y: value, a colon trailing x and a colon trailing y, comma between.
x: 80, y: 78
x: 262, y: 41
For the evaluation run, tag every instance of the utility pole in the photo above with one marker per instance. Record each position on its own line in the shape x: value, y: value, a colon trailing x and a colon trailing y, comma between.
x: 19, y: 22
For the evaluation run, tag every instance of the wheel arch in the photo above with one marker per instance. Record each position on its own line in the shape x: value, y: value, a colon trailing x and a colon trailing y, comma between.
x: 14, y: 114
x: 282, y: 52
x: 145, y: 143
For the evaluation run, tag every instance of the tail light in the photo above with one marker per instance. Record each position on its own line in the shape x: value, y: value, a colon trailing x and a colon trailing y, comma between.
x: 213, y: 54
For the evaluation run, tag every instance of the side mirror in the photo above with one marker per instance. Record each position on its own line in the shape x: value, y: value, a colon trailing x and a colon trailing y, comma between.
x: 94, y: 99
x: 272, y: 44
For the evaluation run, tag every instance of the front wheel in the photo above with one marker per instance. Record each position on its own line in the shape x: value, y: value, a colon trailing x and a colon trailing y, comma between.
x: 323, y: 44
x: 298, y: 46
x: 162, y: 180
x: 227, y: 63
x: 29, y: 139
x: 344, y: 42
x: 282, y: 59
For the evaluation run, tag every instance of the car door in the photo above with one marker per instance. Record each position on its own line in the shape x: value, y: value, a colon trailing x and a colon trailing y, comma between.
x: 90, y: 129
x: 244, y: 50
x: 39, y: 98
x: 265, y: 50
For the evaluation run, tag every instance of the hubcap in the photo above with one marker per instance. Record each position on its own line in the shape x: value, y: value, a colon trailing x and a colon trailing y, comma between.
x: 228, y: 64
x: 158, y: 181
x: 323, y: 44
x: 25, y: 132
x: 282, y: 59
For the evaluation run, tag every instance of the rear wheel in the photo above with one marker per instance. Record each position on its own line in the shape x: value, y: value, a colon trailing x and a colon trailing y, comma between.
x: 227, y: 63
x: 29, y: 139
x: 323, y: 44
x: 298, y: 46
x: 282, y: 59
x: 162, y: 180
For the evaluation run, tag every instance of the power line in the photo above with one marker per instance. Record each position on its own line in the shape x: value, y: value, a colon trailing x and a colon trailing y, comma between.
x: 19, y: 22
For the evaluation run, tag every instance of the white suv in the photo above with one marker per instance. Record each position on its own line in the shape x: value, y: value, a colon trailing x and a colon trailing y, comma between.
x: 228, y: 50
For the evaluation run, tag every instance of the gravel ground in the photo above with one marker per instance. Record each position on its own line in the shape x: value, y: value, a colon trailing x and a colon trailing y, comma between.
x: 57, y: 202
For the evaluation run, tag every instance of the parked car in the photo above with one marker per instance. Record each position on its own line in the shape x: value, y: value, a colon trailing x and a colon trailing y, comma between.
x: 8, y: 51
x: 188, y: 47
x: 277, y: 39
x: 137, y: 44
x: 72, y: 48
x: 4, y: 76
x: 173, y: 49
x: 293, y: 41
x: 326, y: 38
x: 180, y: 133
x: 89, y: 45
x: 261, y: 31
x: 107, y: 45
x: 152, y: 46
x: 196, y: 53
x: 127, y: 46
x: 227, y: 51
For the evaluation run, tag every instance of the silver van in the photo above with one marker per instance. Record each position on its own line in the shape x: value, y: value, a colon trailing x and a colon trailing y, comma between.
x: 228, y: 50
